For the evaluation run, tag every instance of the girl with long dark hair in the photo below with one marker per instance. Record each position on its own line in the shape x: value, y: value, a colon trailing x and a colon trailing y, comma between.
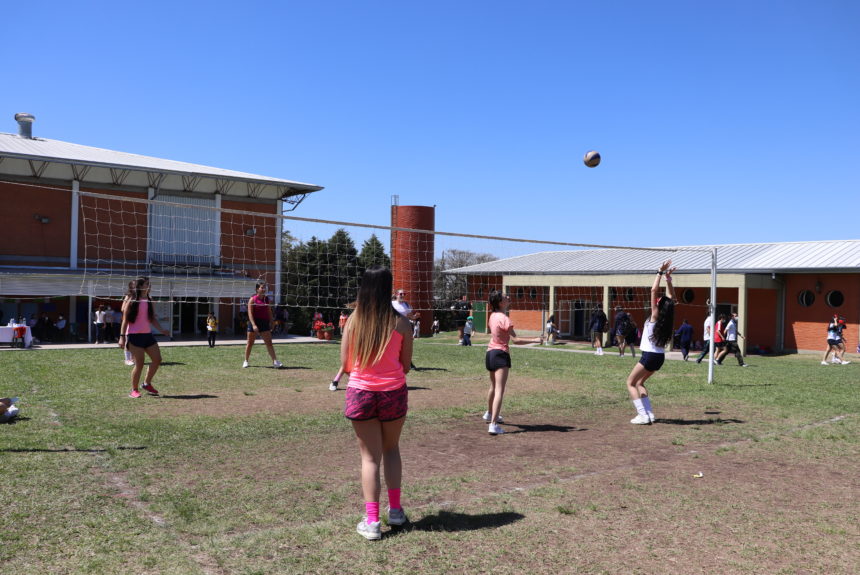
x: 656, y: 333
x: 260, y: 323
x: 136, y: 335
x: 376, y: 351
x: 498, y: 359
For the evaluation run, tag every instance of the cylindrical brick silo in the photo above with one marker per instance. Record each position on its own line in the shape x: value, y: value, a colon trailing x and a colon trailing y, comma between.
x: 412, y: 258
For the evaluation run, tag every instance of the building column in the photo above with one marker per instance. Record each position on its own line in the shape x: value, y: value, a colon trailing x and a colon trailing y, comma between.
x: 73, y: 216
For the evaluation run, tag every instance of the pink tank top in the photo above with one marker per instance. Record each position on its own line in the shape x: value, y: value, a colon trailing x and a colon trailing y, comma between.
x: 384, y: 375
x: 261, y: 307
x: 141, y: 322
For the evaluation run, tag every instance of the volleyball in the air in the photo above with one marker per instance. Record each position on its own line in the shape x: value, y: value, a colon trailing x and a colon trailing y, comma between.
x: 591, y: 159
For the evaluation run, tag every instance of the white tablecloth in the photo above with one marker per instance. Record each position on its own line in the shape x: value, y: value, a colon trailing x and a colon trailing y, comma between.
x: 7, y: 333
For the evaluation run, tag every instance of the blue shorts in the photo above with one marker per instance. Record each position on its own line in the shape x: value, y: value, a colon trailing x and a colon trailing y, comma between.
x: 652, y: 361
x: 143, y: 340
x: 262, y: 325
x: 497, y: 359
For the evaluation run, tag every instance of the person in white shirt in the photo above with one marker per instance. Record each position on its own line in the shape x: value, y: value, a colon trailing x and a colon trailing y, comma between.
x: 400, y: 306
x: 707, y: 335
x: 732, y: 334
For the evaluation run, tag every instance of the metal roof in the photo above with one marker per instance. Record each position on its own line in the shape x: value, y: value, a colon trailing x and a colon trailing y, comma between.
x: 56, y: 160
x: 830, y: 256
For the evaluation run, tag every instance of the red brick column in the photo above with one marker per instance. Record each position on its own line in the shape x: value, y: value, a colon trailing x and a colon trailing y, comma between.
x: 412, y: 258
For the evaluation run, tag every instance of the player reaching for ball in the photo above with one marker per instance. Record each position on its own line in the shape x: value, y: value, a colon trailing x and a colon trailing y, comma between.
x: 656, y: 333
x: 498, y: 360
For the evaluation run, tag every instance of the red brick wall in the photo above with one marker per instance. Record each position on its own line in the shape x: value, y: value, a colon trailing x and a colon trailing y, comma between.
x: 805, y: 327
x: 23, y: 235
x: 110, y: 230
x: 240, y: 251
x: 526, y: 320
x: 761, y: 323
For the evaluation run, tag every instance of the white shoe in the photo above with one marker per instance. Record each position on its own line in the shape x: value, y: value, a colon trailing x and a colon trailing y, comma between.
x: 845, y: 362
x: 332, y: 386
x: 487, y: 416
x: 835, y: 361
x: 244, y: 364
x: 641, y: 420
x: 370, y: 531
x: 277, y: 364
x: 651, y: 417
x: 396, y: 516
x: 823, y: 363
x: 495, y: 429
x: 129, y: 362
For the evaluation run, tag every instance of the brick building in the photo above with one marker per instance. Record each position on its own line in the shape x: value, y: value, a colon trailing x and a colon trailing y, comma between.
x: 79, y: 222
x: 784, y: 293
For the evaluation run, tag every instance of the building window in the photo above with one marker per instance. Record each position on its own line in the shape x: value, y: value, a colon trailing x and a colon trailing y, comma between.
x: 806, y: 298
x: 629, y: 294
x: 480, y: 292
x: 520, y: 292
x: 688, y: 296
x: 533, y: 293
x: 835, y: 298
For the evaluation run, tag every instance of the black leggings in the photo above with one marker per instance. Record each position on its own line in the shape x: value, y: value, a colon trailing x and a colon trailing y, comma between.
x: 212, y: 335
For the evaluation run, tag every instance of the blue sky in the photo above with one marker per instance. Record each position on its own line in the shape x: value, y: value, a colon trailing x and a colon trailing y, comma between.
x: 718, y: 122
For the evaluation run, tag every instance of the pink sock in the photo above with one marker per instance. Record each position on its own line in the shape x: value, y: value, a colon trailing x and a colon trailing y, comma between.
x: 371, y: 508
x: 394, y: 498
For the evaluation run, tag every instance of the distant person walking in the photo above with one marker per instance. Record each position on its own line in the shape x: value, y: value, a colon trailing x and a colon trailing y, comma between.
x: 707, y: 328
x: 461, y: 312
x: 598, y: 326
x: 732, y: 335
x: 685, y: 337
x: 468, y: 329
x: 136, y: 336
x: 656, y: 333
x: 376, y: 351
x: 260, y: 323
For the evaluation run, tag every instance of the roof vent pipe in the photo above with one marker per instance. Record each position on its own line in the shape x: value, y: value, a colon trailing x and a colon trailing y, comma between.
x: 25, y: 125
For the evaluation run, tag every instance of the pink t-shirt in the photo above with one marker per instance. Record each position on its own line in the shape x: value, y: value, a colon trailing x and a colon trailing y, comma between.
x: 384, y: 375
x: 500, y: 330
x: 141, y: 322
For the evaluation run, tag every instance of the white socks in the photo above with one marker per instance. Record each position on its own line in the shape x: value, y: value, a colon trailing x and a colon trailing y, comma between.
x: 640, y: 409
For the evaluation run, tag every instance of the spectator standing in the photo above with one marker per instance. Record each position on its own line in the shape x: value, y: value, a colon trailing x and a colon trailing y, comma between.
x: 211, y: 329
x: 461, y: 312
x: 707, y: 328
x: 685, y: 337
x: 468, y: 329
x: 99, y: 320
x: 597, y: 326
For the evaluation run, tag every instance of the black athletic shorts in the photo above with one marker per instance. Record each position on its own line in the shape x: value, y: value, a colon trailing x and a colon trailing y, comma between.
x: 719, y: 344
x: 652, y: 361
x: 497, y: 359
x: 143, y: 340
x: 834, y: 342
x: 262, y: 325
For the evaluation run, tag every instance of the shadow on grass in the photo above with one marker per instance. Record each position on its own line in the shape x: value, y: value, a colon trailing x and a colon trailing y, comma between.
x: 414, y: 387
x: 14, y: 420
x: 541, y: 428
x: 197, y: 396
x: 68, y: 449
x: 711, y: 421
x: 746, y: 384
x: 164, y: 363
x: 450, y: 521
x: 419, y: 369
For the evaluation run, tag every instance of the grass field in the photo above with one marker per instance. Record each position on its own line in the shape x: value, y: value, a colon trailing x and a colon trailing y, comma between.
x: 255, y: 471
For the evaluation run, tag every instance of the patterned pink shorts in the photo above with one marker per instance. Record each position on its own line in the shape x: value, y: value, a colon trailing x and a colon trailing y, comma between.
x: 383, y: 405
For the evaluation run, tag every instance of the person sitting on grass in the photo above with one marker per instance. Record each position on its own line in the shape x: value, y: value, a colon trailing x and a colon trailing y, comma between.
x: 8, y: 409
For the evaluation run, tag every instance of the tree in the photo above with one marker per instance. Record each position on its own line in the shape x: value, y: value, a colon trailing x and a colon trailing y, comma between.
x: 372, y: 254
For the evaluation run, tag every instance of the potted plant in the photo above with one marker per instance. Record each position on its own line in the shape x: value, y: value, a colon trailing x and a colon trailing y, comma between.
x: 328, y: 330
x: 319, y: 326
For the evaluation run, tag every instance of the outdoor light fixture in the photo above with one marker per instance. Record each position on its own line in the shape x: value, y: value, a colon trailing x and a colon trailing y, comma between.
x: 250, y: 232
x: 41, y: 219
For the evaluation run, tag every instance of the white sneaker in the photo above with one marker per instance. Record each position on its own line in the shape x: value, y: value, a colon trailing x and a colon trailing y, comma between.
x: 129, y: 362
x: 651, y: 417
x: 332, y: 386
x: 487, y: 416
x: 835, y: 361
x: 823, y: 363
x: 277, y: 364
x: 845, y: 362
x: 495, y: 429
x: 396, y: 516
x: 370, y: 531
x: 244, y: 364
x: 641, y: 420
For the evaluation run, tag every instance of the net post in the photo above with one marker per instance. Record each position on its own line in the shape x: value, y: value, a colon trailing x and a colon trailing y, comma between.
x: 713, y: 312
